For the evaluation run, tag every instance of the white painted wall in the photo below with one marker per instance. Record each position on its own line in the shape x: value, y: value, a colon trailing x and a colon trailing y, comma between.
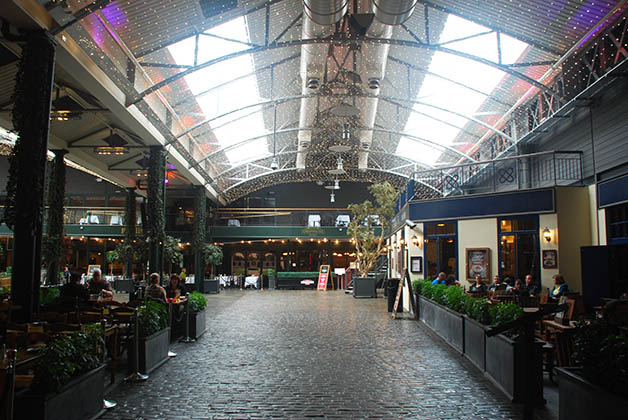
x: 549, y: 221
x: 476, y: 233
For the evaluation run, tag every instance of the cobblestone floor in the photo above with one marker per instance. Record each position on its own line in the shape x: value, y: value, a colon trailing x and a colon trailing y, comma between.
x: 303, y: 354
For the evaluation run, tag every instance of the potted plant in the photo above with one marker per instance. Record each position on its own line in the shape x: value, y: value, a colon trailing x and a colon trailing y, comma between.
x: 368, y: 244
x: 68, y: 380
x: 597, y: 387
x: 212, y: 255
x: 172, y: 252
x: 196, y: 305
x: 153, y: 337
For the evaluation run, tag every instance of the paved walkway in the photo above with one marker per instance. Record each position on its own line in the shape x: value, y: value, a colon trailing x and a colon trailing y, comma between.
x: 303, y: 354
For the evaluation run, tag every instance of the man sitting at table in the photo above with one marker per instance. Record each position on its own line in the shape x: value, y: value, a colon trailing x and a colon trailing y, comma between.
x: 98, y: 285
x: 441, y: 279
x: 74, y: 290
x: 531, y: 286
x: 496, y: 285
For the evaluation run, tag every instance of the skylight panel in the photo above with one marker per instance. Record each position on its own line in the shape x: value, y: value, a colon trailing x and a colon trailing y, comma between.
x: 219, y: 104
x: 437, y: 95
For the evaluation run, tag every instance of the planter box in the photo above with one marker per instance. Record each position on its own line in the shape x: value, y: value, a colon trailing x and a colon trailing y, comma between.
x: 153, y: 351
x: 474, y: 343
x: 211, y: 286
x: 364, y: 287
x: 449, y: 325
x: 198, y: 323
x: 505, y: 369
x: 81, y: 399
x: 580, y: 399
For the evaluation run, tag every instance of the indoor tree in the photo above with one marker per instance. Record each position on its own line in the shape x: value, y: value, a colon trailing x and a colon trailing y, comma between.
x: 366, y: 216
x: 212, y: 255
x: 172, y: 252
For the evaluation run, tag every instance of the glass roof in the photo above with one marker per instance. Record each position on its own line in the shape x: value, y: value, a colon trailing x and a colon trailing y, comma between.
x: 465, y: 36
x: 231, y: 129
x: 214, y: 87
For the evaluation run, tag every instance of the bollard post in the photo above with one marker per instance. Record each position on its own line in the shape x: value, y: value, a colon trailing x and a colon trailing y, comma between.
x: 136, y: 376
x: 187, y: 338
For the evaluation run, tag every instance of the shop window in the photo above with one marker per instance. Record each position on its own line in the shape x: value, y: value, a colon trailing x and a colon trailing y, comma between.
x: 441, y: 248
x: 237, y: 264
x: 519, y: 247
x: 617, y: 224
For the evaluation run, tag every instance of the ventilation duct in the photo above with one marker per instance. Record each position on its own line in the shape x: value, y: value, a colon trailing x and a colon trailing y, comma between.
x: 372, y: 65
x: 393, y: 12
x: 318, y: 18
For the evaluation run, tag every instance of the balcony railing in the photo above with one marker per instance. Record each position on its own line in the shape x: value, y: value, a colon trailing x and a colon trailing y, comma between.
x: 315, y: 217
x: 536, y: 170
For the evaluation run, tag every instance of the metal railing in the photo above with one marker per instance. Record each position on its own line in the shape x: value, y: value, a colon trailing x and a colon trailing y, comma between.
x: 536, y: 170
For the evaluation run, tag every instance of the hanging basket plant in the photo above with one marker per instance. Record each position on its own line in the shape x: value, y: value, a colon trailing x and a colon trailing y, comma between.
x: 172, y: 251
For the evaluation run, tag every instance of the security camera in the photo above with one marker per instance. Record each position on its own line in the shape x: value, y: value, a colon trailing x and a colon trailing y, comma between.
x: 410, y: 224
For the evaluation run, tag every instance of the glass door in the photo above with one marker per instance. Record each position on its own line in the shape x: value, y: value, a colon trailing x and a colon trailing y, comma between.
x: 519, y: 255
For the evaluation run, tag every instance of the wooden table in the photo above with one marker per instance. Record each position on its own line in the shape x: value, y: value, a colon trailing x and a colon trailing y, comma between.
x: 531, y: 310
x: 554, y: 326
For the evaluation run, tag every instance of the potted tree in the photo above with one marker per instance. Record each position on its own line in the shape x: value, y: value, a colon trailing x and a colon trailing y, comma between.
x: 153, y: 337
x: 368, y: 243
x: 68, y: 381
x: 212, y: 255
x: 172, y: 252
x: 196, y: 306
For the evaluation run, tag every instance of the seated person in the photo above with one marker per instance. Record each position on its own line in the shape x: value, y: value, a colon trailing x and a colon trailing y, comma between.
x: 531, y: 287
x: 440, y: 279
x: 451, y: 280
x: 97, y: 285
x: 74, y: 290
x: 560, y: 287
x: 518, y: 289
x: 155, y: 291
x: 175, y: 287
x: 478, y: 286
x: 496, y: 284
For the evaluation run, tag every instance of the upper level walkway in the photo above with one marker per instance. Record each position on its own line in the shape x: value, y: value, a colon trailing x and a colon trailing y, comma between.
x: 303, y: 354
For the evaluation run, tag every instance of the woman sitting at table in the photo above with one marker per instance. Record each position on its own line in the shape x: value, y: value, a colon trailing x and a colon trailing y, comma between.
x: 175, y: 288
x: 478, y: 287
x: 155, y: 291
x: 518, y: 289
x: 560, y: 287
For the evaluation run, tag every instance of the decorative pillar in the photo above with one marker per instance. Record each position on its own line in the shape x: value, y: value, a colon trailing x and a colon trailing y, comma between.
x: 130, y: 219
x: 25, y: 187
x: 198, y: 236
x: 53, y: 241
x: 155, y: 208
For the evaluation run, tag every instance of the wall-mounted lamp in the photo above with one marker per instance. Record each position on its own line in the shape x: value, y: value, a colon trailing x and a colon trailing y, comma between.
x: 416, y: 241
x: 547, y: 234
x: 402, y: 241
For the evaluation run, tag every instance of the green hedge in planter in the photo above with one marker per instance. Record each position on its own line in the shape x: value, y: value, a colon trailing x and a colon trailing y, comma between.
x: 68, y: 356
x: 197, y: 302
x: 601, y: 349
x: 478, y: 309
x: 153, y: 317
x: 47, y: 295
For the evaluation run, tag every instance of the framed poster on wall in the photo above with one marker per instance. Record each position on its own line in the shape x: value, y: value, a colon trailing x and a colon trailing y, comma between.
x: 550, y: 258
x: 478, y: 262
x: 416, y: 264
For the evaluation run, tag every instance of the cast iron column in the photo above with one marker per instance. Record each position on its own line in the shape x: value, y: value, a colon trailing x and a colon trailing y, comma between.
x: 198, y: 240
x: 155, y: 208
x: 130, y: 219
x: 24, y: 213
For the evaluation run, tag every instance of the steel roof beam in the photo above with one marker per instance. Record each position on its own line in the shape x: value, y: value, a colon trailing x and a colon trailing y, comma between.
x: 343, y: 40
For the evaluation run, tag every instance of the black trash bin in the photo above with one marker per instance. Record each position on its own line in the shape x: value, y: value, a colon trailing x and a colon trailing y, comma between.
x: 392, y: 295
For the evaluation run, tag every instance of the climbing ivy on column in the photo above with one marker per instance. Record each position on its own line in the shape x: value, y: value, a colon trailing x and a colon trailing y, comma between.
x: 155, y: 208
x: 52, y: 249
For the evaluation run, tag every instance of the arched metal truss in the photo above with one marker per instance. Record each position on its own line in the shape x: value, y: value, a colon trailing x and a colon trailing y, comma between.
x: 392, y: 100
x: 340, y: 40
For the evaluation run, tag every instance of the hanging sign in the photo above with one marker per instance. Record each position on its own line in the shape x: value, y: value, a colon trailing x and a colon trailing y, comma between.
x: 323, y: 275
